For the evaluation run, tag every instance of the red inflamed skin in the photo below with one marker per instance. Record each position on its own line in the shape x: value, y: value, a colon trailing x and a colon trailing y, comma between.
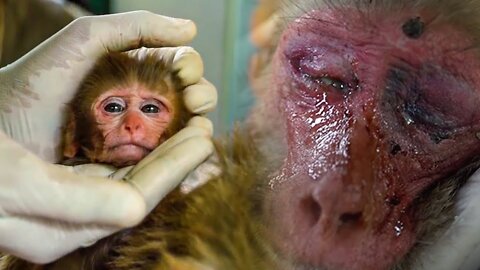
x: 379, y: 106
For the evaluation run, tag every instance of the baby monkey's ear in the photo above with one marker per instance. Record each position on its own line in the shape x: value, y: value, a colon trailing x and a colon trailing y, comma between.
x: 70, y: 144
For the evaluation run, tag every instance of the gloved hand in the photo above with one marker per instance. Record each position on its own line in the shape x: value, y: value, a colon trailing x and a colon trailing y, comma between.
x: 46, y: 210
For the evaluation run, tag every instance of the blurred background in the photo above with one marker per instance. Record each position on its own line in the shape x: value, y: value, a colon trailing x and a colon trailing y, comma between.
x: 223, y: 40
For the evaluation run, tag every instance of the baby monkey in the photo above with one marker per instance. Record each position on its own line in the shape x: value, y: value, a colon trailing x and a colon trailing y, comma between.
x: 126, y: 106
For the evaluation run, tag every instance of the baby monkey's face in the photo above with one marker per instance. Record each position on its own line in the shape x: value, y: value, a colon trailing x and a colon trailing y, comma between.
x: 125, y: 107
x: 131, y: 121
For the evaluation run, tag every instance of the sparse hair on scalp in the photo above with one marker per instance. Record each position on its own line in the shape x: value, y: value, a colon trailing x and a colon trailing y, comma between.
x: 463, y: 14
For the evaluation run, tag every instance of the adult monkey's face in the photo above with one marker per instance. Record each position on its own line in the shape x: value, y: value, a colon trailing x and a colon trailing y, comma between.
x: 380, y: 102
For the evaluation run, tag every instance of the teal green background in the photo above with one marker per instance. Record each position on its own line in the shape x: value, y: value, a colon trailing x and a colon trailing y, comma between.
x: 237, y: 102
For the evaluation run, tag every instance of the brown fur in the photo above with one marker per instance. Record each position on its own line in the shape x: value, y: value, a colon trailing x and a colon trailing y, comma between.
x: 81, y: 137
x: 436, y: 212
x: 217, y: 226
x: 188, y: 230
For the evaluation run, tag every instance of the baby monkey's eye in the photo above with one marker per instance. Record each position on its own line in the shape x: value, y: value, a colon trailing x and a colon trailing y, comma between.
x: 150, y: 108
x: 114, y: 107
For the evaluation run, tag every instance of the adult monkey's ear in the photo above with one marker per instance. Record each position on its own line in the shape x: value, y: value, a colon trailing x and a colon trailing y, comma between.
x: 263, y: 21
x: 70, y: 143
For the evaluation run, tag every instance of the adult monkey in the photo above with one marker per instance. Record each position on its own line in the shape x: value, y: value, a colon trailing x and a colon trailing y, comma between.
x: 33, y: 92
x: 434, y: 248
x: 328, y: 46
x: 364, y: 148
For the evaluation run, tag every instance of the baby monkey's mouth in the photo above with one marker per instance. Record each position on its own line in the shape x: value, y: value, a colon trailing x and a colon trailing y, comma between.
x: 131, y: 144
x: 127, y: 153
x: 130, y: 147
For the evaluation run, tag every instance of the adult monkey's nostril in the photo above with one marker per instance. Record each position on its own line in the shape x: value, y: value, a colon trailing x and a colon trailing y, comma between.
x: 311, y: 209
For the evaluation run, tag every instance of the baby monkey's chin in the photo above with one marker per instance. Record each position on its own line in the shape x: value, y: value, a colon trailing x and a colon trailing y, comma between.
x: 126, y: 155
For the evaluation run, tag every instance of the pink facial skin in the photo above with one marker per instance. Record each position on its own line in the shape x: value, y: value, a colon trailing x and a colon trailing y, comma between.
x: 132, y: 123
x: 374, y: 118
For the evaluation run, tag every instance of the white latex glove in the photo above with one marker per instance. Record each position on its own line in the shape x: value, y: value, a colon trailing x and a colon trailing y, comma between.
x: 47, y: 210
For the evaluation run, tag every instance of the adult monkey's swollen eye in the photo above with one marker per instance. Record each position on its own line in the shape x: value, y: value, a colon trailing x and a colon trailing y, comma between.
x: 431, y: 98
x: 333, y: 82
x: 322, y: 70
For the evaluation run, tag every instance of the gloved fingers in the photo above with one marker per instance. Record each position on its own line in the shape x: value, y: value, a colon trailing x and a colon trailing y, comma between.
x: 123, y: 31
x: 177, y: 139
x: 201, y: 122
x: 187, y: 65
x: 93, y: 169
x: 163, y: 174
x: 184, y: 62
x: 201, y: 97
x: 42, y: 241
x: 32, y: 187
x: 121, y: 173
x: 70, y: 197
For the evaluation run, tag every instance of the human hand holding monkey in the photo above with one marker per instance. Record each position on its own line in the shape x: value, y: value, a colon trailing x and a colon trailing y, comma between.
x: 127, y: 105
x: 41, y: 202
